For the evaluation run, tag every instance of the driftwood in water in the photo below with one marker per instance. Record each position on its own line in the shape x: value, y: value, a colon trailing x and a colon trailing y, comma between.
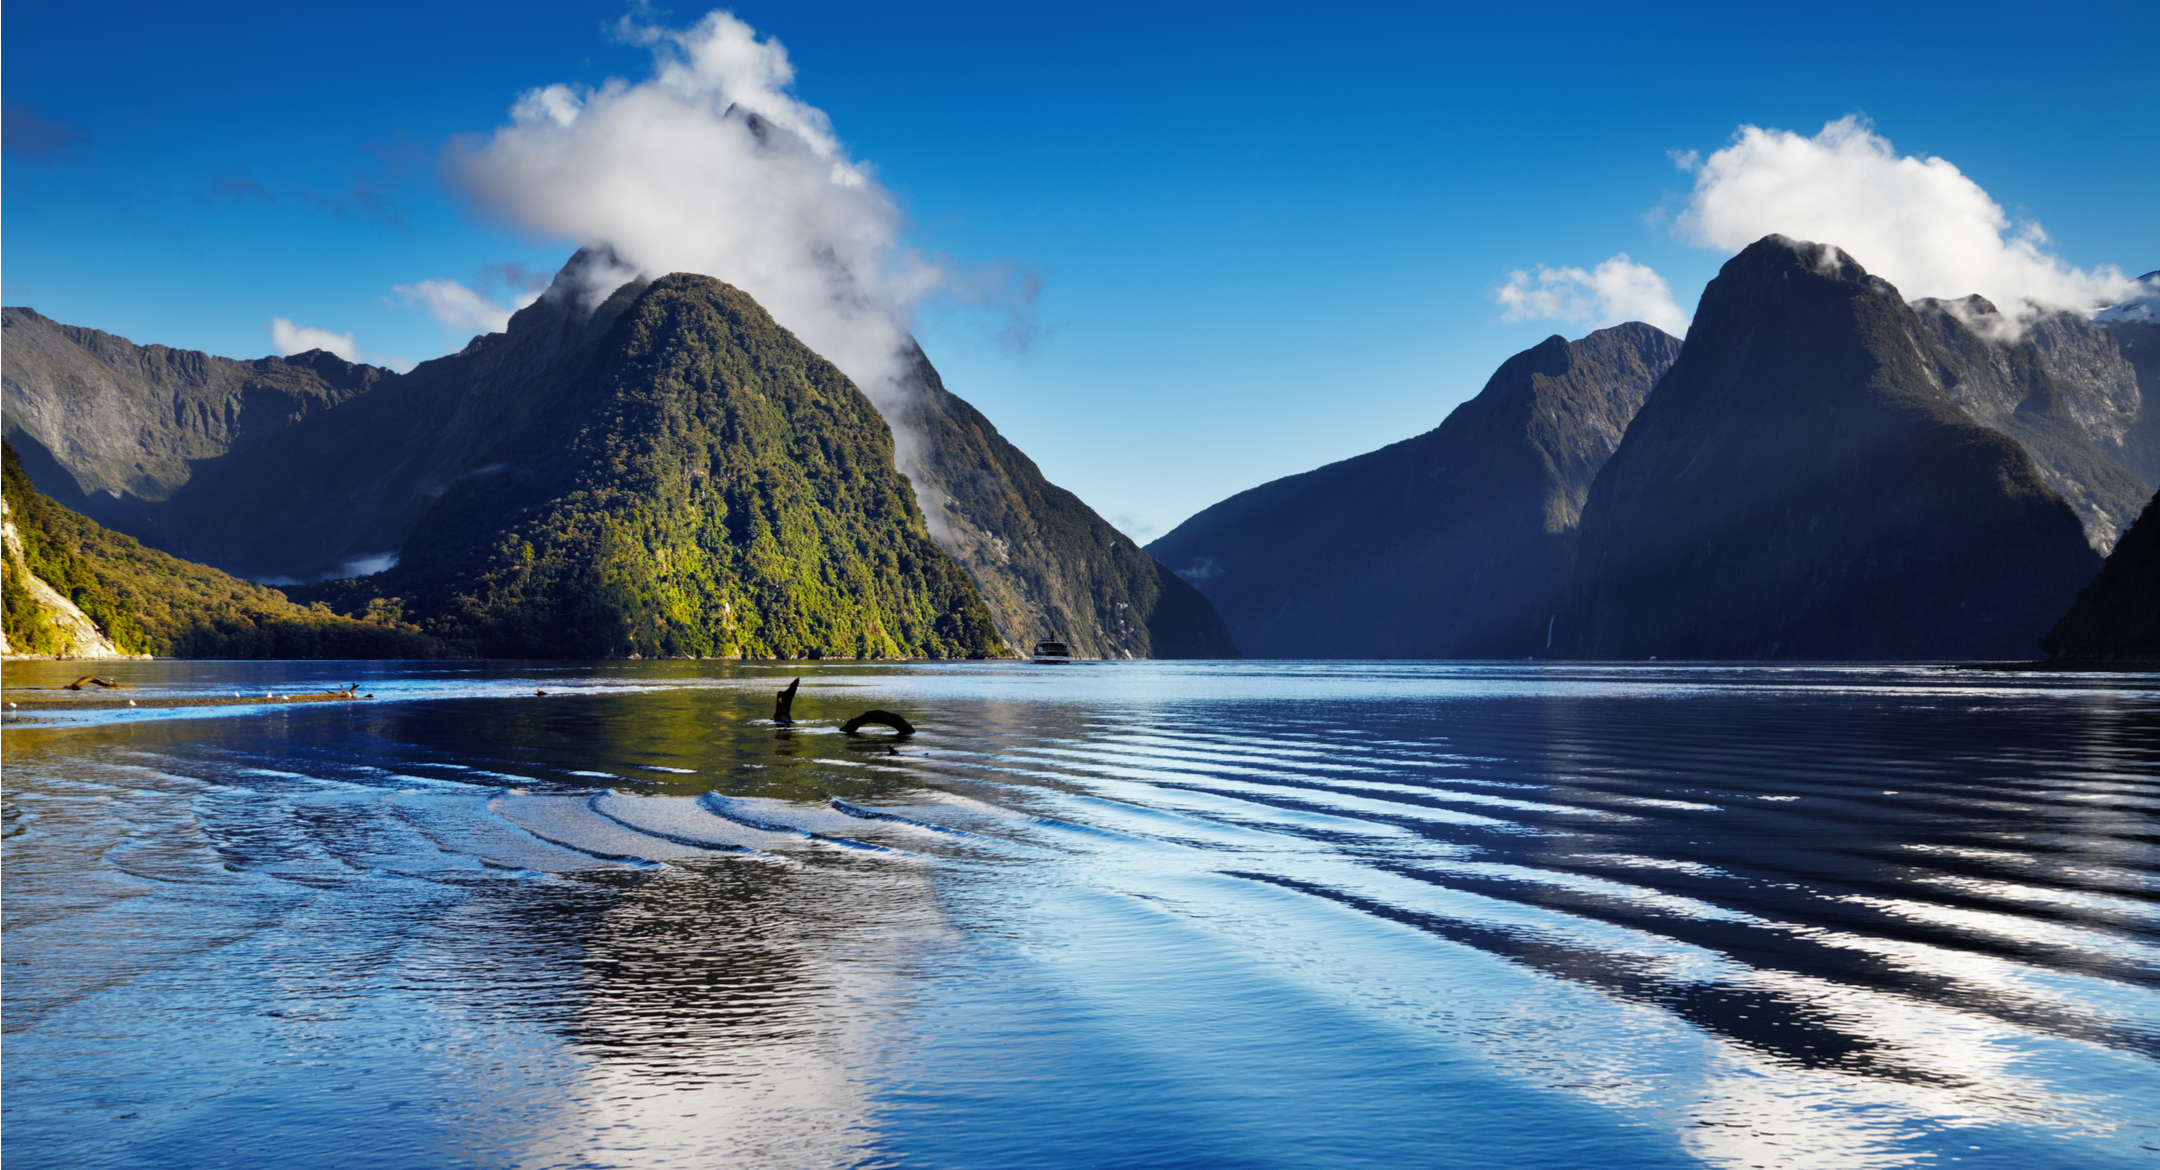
x: 91, y: 678
x: 784, y: 704
x: 881, y: 718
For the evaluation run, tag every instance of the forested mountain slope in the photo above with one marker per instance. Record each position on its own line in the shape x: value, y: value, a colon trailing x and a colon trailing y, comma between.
x: 138, y: 600
x: 690, y: 480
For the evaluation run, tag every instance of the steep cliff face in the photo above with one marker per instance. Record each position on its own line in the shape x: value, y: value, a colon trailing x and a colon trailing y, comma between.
x: 115, y: 430
x: 1047, y: 565
x: 2118, y: 614
x: 2061, y: 388
x: 2134, y: 326
x: 1801, y: 486
x: 684, y: 479
x: 1457, y: 543
x: 37, y: 618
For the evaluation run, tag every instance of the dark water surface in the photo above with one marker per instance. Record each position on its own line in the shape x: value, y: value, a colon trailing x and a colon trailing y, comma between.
x: 1116, y: 915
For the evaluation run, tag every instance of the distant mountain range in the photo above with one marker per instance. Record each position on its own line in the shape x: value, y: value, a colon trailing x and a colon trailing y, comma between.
x: 1459, y: 543
x: 668, y: 472
x: 1822, y: 471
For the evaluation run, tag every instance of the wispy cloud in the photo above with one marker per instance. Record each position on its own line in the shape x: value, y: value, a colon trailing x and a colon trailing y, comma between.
x: 1134, y: 525
x: 461, y: 310
x: 712, y: 166
x: 1617, y: 290
x: 27, y: 134
x: 362, y: 197
x: 288, y: 339
x: 236, y: 187
x: 1918, y: 222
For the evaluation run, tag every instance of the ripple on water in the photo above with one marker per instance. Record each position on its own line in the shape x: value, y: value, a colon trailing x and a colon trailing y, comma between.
x: 1145, y: 913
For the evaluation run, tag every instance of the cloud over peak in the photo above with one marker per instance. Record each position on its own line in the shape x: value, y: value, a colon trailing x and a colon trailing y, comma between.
x: 461, y: 310
x: 711, y: 166
x: 288, y: 339
x: 1918, y: 222
x: 1617, y: 290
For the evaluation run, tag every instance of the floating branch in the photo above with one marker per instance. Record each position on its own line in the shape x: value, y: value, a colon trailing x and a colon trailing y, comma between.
x: 881, y: 718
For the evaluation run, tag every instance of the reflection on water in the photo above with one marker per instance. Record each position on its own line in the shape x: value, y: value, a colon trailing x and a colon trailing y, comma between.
x: 1135, y: 914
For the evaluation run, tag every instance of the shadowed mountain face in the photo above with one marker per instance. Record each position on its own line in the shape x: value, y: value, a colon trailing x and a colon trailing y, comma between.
x: 117, y: 431
x: 1802, y: 487
x: 2118, y: 615
x: 1456, y: 544
x: 1047, y: 565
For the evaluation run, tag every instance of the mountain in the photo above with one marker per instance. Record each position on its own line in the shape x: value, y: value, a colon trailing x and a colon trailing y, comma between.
x: 1459, y: 543
x: 307, y: 468
x: 1047, y: 565
x: 117, y: 431
x: 1801, y: 486
x: 685, y: 478
x: 72, y: 587
x: 277, y: 469
x: 2118, y: 615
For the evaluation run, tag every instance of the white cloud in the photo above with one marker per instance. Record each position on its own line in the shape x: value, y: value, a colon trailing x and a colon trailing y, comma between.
x: 1919, y: 223
x: 289, y: 339
x: 460, y: 309
x: 711, y: 166
x: 1617, y: 290
x: 368, y: 565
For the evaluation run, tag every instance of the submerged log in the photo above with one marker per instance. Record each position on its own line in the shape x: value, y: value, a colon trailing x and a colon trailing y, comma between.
x: 785, y: 704
x: 881, y: 718
x: 91, y: 678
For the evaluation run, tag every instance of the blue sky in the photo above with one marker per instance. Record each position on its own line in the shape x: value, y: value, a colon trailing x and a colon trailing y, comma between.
x: 1265, y: 237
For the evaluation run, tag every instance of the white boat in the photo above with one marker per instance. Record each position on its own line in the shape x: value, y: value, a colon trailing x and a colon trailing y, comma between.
x: 1052, y: 654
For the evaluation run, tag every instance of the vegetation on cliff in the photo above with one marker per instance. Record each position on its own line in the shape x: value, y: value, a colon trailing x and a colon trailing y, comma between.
x: 149, y: 602
x: 691, y: 481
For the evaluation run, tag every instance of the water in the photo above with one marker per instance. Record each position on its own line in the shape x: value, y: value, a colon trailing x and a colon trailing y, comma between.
x: 1117, y: 915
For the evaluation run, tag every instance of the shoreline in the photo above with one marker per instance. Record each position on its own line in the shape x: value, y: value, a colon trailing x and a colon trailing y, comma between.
x: 107, y: 701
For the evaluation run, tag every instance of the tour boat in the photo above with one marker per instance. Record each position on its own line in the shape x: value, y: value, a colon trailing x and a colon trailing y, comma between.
x: 1052, y: 653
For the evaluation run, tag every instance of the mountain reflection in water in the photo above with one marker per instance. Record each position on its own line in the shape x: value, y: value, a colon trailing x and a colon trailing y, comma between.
x: 1134, y: 914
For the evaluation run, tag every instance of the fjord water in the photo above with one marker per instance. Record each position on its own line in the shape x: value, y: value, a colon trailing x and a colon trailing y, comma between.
x: 1120, y: 915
